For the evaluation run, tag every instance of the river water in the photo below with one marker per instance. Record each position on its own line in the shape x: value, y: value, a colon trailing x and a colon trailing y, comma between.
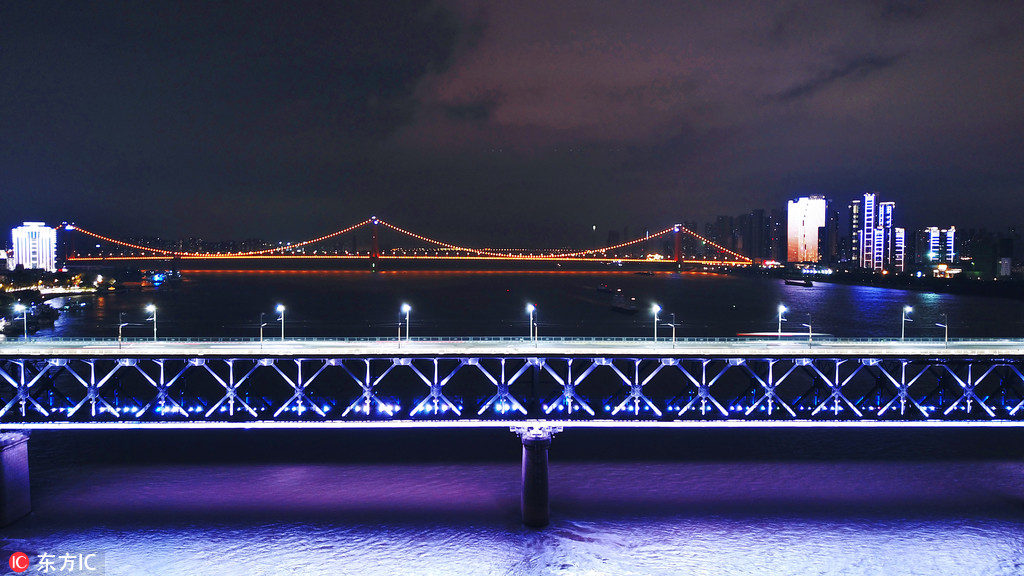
x: 344, y: 303
x: 446, y: 502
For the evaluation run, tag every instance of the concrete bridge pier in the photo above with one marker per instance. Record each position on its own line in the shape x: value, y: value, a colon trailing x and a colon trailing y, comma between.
x: 14, y: 487
x: 534, y: 504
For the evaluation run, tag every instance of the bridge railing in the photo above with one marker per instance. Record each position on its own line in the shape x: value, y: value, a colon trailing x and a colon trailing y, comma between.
x: 14, y: 339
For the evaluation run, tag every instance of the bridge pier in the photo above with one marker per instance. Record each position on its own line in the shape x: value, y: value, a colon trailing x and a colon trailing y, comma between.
x: 14, y: 487
x: 535, y: 502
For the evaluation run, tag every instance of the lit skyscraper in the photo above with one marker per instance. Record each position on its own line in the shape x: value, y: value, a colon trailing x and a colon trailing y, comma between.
x: 35, y: 246
x: 853, y: 254
x: 941, y: 244
x: 805, y: 216
x: 876, y: 243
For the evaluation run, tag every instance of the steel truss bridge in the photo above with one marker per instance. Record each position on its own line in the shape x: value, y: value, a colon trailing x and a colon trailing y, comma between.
x: 508, y: 382
x: 422, y: 248
x: 536, y: 388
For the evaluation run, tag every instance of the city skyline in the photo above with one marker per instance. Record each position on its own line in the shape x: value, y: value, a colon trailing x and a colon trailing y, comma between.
x: 585, y: 232
x: 497, y: 121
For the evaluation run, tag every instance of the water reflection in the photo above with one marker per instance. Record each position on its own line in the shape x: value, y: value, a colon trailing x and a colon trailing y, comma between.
x: 345, y: 303
x: 610, y: 518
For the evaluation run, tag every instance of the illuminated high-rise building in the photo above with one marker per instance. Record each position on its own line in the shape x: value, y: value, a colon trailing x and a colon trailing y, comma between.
x: 876, y: 244
x: 941, y: 245
x: 35, y: 247
x: 805, y: 217
x: 853, y: 253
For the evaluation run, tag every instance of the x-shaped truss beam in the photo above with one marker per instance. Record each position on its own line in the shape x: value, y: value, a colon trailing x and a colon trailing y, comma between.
x: 902, y: 387
x: 368, y: 399
x: 231, y: 386
x: 502, y: 398
x: 23, y: 396
x: 299, y: 397
x: 92, y: 389
x: 636, y: 394
x: 703, y: 387
x: 435, y: 402
x: 969, y: 394
x: 568, y: 397
x: 836, y: 398
x: 770, y: 397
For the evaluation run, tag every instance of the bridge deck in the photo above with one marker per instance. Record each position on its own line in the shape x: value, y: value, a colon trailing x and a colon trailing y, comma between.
x: 508, y: 346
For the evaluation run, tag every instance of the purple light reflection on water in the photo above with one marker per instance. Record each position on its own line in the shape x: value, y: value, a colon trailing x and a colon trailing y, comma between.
x: 609, y: 518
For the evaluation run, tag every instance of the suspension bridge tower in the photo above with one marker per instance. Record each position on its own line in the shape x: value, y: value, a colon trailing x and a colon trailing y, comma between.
x: 375, y: 247
x: 677, y: 253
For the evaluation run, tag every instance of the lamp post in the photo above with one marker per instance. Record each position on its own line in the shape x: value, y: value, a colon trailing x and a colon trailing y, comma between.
x: 809, y: 332
x: 152, y: 310
x: 945, y: 329
x: 673, y: 326
x: 530, y: 309
x: 120, y: 326
x: 655, y: 309
x: 406, y: 309
x: 262, y: 324
x: 903, y: 322
x: 19, y: 307
x: 782, y: 310
x: 280, y: 310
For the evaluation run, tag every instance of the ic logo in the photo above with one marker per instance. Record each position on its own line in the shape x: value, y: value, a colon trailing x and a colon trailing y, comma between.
x: 19, y: 562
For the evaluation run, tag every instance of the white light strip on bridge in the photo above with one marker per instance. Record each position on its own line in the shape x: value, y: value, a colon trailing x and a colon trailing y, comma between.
x: 469, y: 424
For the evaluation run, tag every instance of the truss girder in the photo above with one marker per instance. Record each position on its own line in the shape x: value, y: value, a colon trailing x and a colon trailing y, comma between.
x: 436, y: 402
x: 23, y: 397
x: 568, y: 399
x: 204, y: 388
x: 703, y: 397
x: 636, y: 396
x: 502, y: 398
x: 902, y: 388
x: 836, y: 396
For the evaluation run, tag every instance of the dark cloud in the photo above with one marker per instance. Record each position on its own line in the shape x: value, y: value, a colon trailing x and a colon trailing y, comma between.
x: 856, y: 67
x: 478, y: 111
x: 478, y: 119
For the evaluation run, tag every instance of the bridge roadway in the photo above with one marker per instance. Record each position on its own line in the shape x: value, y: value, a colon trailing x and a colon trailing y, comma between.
x: 791, y: 344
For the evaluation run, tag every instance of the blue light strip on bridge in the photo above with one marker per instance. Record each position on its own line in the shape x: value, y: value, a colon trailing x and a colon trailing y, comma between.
x: 493, y: 424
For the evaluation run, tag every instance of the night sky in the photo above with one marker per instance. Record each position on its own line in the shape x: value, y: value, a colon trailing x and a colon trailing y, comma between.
x: 504, y: 123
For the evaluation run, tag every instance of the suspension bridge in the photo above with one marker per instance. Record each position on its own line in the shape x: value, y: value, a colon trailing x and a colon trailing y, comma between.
x: 675, y: 245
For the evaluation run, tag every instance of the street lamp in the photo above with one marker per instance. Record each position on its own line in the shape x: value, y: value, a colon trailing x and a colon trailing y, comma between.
x: 782, y: 310
x: 406, y: 309
x: 19, y: 307
x: 809, y: 332
x: 280, y: 310
x: 673, y: 325
x: 120, y: 326
x: 904, y: 320
x: 945, y: 329
x: 152, y: 310
x: 262, y: 324
x: 530, y: 309
x: 655, y: 309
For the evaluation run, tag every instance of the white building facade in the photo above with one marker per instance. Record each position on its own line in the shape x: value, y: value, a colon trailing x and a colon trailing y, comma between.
x: 35, y: 247
x: 878, y: 244
x: 806, y: 216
